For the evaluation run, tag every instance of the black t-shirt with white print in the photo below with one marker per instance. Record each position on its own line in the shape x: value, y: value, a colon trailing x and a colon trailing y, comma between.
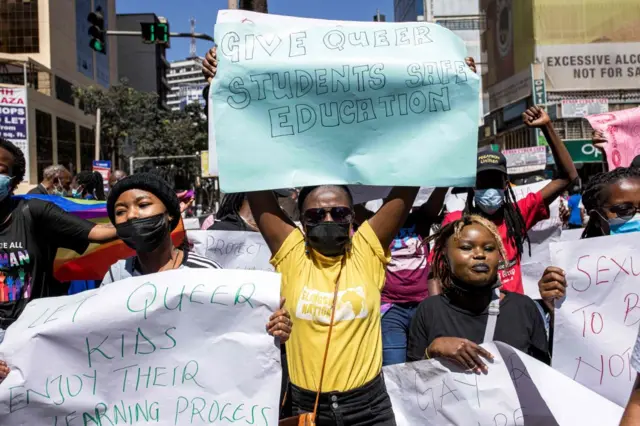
x: 29, y: 240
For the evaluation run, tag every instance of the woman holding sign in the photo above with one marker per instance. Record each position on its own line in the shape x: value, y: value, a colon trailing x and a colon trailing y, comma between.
x: 332, y: 279
x: 144, y: 210
x: 466, y: 256
x: 612, y: 201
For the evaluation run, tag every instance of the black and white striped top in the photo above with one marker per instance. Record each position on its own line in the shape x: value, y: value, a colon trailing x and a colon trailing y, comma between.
x: 126, y: 268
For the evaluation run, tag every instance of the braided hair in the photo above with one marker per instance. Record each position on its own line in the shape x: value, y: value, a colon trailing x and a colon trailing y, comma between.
x: 230, y: 205
x: 440, y: 266
x: 513, y: 219
x: 92, y: 183
x: 596, y: 193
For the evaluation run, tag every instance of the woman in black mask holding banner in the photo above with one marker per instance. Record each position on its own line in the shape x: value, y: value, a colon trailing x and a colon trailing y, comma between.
x: 331, y: 281
x: 145, y: 210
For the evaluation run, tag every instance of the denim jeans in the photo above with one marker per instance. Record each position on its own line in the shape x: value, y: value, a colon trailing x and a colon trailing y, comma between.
x: 395, y: 331
x: 368, y: 405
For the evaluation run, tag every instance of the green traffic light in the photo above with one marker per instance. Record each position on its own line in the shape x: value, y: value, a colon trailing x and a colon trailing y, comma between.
x: 97, y: 45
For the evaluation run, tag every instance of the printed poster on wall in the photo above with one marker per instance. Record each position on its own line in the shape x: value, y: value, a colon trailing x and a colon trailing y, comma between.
x: 13, y: 119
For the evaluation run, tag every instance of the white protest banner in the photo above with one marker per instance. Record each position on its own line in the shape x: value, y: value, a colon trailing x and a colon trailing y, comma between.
x: 365, y: 193
x: 232, y: 249
x: 185, y: 346
x: 423, y: 196
x: 597, y: 323
x: 541, y: 235
x: 517, y: 390
x: 343, y: 103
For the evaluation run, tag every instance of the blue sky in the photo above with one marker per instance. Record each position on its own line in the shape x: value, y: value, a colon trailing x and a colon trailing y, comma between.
x: 178, y: 12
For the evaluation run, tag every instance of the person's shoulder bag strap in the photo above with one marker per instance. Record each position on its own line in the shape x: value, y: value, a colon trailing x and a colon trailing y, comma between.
x: 309, y: 419
x: 494, y: 310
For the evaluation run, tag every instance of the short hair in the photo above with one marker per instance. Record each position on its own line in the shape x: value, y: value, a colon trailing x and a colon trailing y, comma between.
x: 54, y: 171
x: 304, y: 193
x: 19, y: 162
x: 440, y: 265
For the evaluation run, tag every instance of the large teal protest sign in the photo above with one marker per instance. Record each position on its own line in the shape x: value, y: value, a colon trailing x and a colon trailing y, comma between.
x: 300, y: 102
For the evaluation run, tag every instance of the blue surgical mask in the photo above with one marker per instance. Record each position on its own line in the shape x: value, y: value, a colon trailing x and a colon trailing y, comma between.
x: 618, y: 225
x: 489, y: 200
x: 5, y: 186
x: 76, y: 193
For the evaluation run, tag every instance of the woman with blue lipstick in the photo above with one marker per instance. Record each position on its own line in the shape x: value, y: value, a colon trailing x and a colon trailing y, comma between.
x: 473, y: 308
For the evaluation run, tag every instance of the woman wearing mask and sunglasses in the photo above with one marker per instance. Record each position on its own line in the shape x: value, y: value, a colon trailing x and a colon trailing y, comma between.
x: 328, y: 265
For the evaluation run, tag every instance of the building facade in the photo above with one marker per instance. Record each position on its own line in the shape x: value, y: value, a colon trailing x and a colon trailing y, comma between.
x: 186, y: 83
x: 575, y: 58
x: 144, y: 66
x: 44, y: 52
x: 462, y: 17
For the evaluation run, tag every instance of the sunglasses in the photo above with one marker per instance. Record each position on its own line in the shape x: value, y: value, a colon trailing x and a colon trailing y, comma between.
x: 340, y: 215
x: 624, y: 211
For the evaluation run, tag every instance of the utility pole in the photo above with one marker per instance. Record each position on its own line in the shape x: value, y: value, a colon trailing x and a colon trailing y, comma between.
x: 192, y: 45
x: 254, y: 5
x: 97, y: 134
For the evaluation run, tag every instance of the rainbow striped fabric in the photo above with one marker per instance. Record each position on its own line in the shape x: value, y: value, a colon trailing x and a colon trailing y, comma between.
x: 94, y: 263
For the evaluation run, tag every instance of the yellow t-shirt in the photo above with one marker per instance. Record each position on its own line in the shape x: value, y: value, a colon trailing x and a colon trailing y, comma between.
x: 308, y: 283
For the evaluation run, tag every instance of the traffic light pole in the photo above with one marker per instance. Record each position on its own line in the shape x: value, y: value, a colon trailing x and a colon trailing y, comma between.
x: 201, y: 36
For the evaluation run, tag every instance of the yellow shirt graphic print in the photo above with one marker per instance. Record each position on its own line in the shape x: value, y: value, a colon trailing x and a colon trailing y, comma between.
x: 308, y: 284
x: 314, y: 305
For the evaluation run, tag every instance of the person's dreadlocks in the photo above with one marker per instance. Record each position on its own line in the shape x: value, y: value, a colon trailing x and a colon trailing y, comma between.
x: 513, y: 219
x: 230, y: 206
x: 440, y: 267
x: 596, y: 192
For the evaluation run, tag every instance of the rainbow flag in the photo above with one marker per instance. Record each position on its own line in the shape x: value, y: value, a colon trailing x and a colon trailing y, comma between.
x: 94, y: 263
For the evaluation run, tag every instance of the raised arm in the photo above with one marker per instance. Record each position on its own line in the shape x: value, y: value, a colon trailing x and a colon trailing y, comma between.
x: 389, y: 219
x: 536, y: 117
x: 273, y: 223
x: 430, y: 210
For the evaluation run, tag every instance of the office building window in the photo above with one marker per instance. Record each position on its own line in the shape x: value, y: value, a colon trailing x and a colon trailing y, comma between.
x: 44, y: 141
x: 64, y: 91
x: 19, y: 26
x: 87, y: 148
x: 66, y: 144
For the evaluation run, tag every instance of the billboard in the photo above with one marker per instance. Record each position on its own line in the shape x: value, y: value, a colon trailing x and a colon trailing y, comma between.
x: 589, y: 44
x: 13, y: 118
x: 572, y: 22
x: 601, y: 66
x: 509, y: 38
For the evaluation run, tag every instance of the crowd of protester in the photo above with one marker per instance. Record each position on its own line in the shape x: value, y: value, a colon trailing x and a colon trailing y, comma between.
x: 423, y: 282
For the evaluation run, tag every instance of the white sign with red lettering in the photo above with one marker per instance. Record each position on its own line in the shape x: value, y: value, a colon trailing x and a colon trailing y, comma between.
x: 597, y: 323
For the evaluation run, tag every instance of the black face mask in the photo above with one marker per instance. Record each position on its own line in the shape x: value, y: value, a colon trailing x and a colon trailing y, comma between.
x: 328, y: 238
x: 144, y: 234
x: 462, y: 288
